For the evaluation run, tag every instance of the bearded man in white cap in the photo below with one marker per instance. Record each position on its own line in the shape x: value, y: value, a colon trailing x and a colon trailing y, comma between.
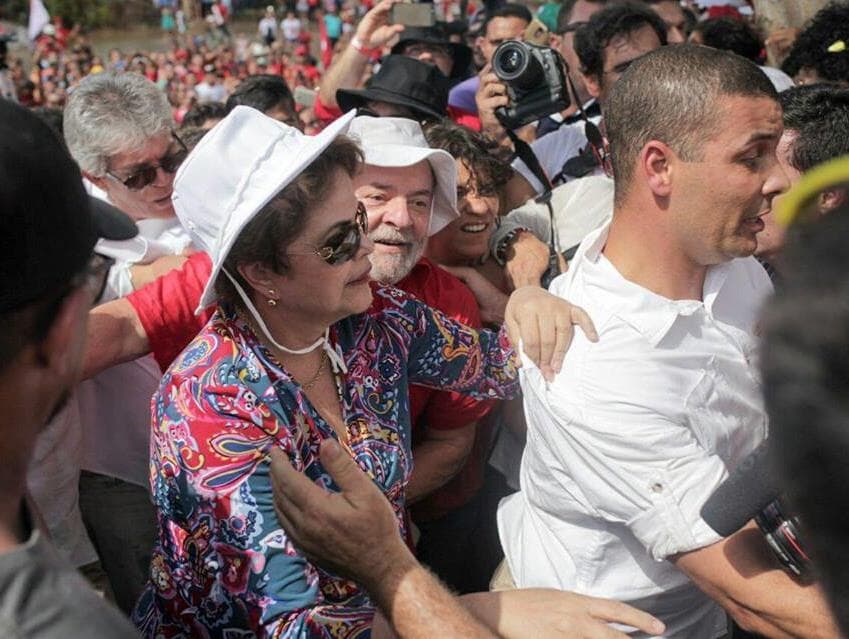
x: 409, y: 192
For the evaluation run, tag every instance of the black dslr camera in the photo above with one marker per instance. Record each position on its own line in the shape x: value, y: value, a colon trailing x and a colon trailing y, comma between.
x: 536, y: 82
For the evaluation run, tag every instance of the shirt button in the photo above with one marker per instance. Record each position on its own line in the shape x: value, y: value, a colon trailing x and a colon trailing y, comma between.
x: 657, y: 487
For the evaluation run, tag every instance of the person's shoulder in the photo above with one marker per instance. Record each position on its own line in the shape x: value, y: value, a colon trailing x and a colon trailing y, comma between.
x: 443, y: 291
x: 212, y: 346
x: 53, y: 591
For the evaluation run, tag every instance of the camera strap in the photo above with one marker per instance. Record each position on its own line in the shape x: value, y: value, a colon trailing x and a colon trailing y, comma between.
x: 525, y: 153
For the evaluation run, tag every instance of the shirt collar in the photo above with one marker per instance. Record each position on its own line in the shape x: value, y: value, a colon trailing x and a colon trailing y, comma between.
x: 651, y: 314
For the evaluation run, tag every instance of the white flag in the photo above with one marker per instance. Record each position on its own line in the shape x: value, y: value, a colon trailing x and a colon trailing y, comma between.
x: 38, y: 18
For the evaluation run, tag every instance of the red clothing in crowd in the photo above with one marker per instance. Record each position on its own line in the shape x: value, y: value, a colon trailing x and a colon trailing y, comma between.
x: 166, y: 311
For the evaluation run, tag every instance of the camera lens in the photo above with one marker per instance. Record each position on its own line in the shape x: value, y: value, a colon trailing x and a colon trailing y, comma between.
x: 514, y: 63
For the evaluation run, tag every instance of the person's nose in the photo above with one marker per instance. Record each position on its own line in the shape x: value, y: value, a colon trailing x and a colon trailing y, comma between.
x: 398, y: 213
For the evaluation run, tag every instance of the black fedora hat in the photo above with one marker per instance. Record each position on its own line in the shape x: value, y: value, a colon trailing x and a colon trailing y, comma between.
x: 460, y: 53
x: 403, y: 81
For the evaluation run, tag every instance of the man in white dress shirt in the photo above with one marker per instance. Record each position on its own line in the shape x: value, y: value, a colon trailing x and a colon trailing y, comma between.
x: 636, y: 432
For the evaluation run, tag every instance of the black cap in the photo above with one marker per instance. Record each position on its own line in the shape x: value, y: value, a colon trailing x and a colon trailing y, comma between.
x: 460, y: 53
x: 47, y: 221
x: 405, y: 82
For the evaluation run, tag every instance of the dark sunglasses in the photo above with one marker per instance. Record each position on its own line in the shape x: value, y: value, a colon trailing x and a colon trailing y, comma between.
x: 345, y: 241
x: 147, y: 174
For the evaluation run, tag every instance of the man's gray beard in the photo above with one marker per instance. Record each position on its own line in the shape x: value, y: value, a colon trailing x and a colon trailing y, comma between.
x: 390, y: 269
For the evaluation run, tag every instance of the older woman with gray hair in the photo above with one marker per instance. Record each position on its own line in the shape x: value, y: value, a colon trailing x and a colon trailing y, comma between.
x: 291, y: 359
x: 119, y: 129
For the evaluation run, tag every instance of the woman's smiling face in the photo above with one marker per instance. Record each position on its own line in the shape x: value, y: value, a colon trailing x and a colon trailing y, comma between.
x: 467, y: 238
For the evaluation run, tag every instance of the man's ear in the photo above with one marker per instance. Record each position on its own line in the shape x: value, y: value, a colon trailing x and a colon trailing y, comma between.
x: 260, y: 278
x: 555, y: 40
x: 99, y: 182
x: 656, y: 164
x: 592, y: 83
x: 62, y: 347
x: 831, y: 199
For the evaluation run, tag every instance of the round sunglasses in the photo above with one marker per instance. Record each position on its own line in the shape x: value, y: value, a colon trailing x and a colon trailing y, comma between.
x: 147, y: 174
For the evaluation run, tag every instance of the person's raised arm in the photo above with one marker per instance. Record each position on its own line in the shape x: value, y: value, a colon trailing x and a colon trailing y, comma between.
x: 373, y: 32
x: 355, y: 533
x: 741, y: 575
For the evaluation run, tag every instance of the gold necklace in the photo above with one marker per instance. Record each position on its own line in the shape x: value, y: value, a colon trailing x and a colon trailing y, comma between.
x: 315, y: 377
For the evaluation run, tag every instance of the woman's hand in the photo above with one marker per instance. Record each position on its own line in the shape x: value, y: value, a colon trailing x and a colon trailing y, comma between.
x: 542, y: 613
x: 544, y: 324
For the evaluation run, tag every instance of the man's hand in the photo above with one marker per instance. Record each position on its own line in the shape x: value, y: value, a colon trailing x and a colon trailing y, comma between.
x: 353, y: 532
x: 543, y: 322
x: 527, y: 260
x: 779, y: 43
x: 491, y: 94
x: 374, y: 30
x: 491, y: 301
x: 542, y: 613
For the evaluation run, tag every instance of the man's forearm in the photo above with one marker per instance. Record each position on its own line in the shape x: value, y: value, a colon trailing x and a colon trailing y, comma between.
x: 742, y: 576
x: 345, y: 73
x: 437, y: 461
x: 114, y: 335
x: 416, y: 606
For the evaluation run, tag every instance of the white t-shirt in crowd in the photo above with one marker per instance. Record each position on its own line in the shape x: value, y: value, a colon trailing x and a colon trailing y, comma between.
x: 291, y: 28
x: 633, y: 436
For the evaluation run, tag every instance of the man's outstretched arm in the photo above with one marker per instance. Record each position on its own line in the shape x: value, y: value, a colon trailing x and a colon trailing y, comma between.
x: 354, y: 533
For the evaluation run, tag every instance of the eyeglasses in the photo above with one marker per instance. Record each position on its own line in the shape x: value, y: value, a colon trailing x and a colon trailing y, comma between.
x: 147, y: 174
x: 93, y: 276
x: 345, y: 241
x: 570, y: 28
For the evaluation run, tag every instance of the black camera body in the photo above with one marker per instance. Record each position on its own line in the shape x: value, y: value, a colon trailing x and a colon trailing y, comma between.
x: 536, y: 82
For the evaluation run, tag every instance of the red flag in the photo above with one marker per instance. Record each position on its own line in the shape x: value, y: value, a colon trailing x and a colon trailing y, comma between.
x: 324, y: 44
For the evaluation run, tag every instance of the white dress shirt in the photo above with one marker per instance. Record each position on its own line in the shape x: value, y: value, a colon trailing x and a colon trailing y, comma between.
x: 633, y: 435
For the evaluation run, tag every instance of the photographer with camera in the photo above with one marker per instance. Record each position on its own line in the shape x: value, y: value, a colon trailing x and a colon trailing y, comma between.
x: 606, y: 45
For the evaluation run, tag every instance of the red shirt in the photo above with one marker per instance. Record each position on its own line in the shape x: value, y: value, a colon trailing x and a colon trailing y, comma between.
x: 166, y: 310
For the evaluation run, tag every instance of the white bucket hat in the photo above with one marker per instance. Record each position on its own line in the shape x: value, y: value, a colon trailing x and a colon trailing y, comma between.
x: 399, y: 142
x: 234, y: 171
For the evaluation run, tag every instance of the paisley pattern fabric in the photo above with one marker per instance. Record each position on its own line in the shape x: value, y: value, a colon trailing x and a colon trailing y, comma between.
x: 222, y: 565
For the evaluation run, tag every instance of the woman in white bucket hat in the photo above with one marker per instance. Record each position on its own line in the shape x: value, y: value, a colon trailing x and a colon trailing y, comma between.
x: 289, y: 359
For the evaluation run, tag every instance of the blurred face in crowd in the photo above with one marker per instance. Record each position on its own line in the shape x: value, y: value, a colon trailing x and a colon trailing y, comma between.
x: 565, y: 43
x: 673, y: 17
x: 466, y: 239
x: 716, y: 225
x: 433, y: 53
x: 771, y: 239
x: 152, y: 200
x: 618, y: 55
x: 500, y: 30
x: 398, y: 202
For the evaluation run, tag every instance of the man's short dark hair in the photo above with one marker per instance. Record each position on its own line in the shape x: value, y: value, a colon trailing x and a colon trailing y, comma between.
x: 733, y: 35
x: 564, y: 16
x: 509, y: 10
x: 263, y: 92
x: 819, y: 115
x: 805, y: 366
x: 670, y: 95
x: 810, y: 49
x: 200, y: 113
x: 620, y: 19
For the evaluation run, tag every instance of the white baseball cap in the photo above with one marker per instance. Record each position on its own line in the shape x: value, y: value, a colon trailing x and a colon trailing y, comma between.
x: 400, y: 142
x: 234, y: 171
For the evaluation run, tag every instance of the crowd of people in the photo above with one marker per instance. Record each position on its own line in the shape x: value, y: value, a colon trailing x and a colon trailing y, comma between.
x: 328, y: 347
